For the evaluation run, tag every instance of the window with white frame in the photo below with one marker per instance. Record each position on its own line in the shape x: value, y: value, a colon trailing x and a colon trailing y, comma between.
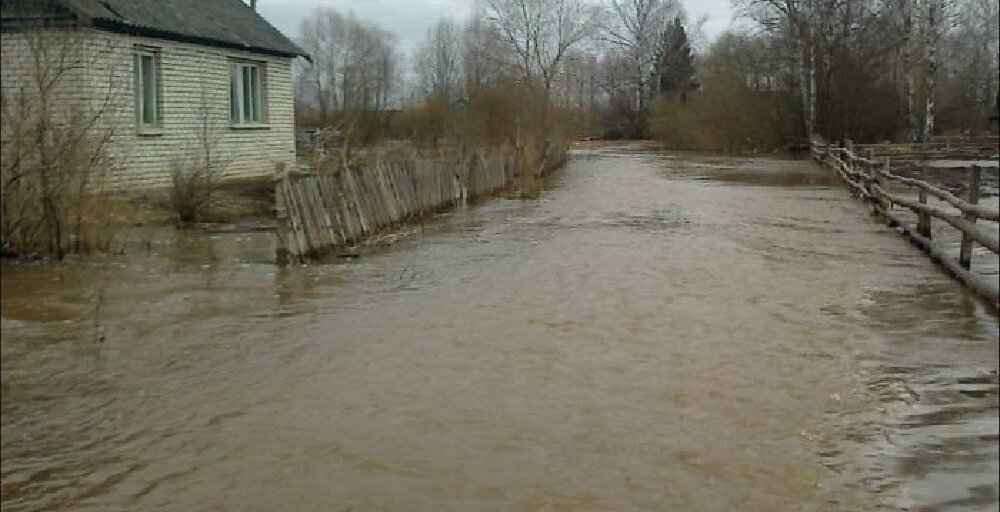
x: 246, y: 93
x: 147, y: 87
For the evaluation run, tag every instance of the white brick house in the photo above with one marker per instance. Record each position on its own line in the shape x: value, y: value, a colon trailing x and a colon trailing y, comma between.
x: 179, y: 75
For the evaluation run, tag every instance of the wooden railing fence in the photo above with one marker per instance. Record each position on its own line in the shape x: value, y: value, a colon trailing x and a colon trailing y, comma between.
x: 940, y: 147
x: 868, y: 178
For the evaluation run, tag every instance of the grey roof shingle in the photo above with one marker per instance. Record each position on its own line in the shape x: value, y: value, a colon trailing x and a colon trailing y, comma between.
x: 229, y: 23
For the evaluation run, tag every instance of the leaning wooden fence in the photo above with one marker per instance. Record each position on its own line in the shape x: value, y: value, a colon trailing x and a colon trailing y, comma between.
x: 868, y: 178
x: 319, y: 213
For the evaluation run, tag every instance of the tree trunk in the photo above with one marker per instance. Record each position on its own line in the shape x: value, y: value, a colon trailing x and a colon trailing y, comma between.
x: 321, y: 98
x: 640, y: 101
x: 812, y: 88
x: 345, y: 93
x: 804, y: 85
x: 332, y: 93
x: 908, y: 85
x: 931, y: 76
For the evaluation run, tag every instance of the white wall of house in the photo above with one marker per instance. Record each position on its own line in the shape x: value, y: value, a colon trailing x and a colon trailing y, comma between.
x: 194, y: 98
x: 61, y: 72
x: 193, y: 102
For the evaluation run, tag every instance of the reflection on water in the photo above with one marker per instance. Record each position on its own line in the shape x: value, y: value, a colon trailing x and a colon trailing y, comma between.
x: 652, y: 332
x: 937, y: 386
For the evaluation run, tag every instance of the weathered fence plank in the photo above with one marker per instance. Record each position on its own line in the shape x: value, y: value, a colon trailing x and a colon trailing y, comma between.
x: 318, y: 213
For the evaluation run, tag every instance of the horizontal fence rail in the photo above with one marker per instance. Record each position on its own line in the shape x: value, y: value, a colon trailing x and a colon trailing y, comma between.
x: 869, y: 178
x: 938, y: 148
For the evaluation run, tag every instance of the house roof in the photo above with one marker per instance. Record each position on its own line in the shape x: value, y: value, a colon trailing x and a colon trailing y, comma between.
x: 225, y: 23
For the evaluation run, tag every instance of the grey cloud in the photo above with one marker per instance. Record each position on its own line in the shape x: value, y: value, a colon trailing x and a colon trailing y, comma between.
x: 408, y: 19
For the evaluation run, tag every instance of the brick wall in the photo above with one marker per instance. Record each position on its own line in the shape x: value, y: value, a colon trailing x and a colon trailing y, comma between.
x: 194, y: 100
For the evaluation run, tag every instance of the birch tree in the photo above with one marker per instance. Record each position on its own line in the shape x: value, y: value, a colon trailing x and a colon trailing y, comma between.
x: 909, y: 89
x: 635, y: 28
x: 797, y: 17
x: 931, y: 37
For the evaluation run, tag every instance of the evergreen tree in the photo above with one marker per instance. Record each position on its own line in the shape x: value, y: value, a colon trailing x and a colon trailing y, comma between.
x: 675, y: 63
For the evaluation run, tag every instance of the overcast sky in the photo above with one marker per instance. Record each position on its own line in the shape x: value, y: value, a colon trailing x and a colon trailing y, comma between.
x: 410, y: 19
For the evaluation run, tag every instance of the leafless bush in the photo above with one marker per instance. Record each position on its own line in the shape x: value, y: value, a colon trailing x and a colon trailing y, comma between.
x: 196, y: 175
x: 730, y: 112
x: 55, y: 146
x: 193, y: 183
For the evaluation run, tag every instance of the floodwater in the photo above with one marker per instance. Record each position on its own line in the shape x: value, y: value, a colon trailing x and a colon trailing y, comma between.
x: 652, y: 332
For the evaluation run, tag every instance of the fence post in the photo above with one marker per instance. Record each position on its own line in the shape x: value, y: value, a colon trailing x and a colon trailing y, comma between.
x: 880, y: 203
x: 869, y: 165
x: 849, y: 163
x: 965, y: 255
x: 869, y: 181
x: 923, y: 218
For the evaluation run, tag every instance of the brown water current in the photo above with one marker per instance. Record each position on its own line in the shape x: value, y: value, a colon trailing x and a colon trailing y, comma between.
x: 652, y: 332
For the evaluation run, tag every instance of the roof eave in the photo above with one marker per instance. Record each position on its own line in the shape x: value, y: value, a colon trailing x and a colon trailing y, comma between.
x: 137, y: 30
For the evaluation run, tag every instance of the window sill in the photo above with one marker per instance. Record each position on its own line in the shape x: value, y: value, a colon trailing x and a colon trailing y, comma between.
x: 150, y: 132
x: 249, y: 126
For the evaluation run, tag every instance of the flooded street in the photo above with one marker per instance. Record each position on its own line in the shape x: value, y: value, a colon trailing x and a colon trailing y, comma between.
x: 652, y: 332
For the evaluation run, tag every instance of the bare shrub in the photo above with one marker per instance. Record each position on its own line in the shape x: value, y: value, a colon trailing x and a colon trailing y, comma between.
x: 428, y: 123
x: 511, y: 117
x: 731, y: 113
x: 193, y: 185
x: 196, y: 175
x: 55, y: 145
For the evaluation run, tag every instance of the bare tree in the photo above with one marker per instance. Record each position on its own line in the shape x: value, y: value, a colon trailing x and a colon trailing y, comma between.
x: 483, y: 59
x: 539, y: 33
x: 969, y: 62
x: 635, y: 28
x: 797, y: 18
x: 581, y: 81
x: 58, y: 113
x: 931, y: 39
x: 438, y: 62
x: 354, y: 64
x: 909, y: 89
x: 320, y: 37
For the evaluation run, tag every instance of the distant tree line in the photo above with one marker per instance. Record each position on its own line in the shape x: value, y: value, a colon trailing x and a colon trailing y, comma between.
x: 864, y: 69
x: 882, y: 69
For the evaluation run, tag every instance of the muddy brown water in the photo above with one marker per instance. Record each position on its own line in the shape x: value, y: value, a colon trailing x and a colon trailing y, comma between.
x: 652, y: 332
